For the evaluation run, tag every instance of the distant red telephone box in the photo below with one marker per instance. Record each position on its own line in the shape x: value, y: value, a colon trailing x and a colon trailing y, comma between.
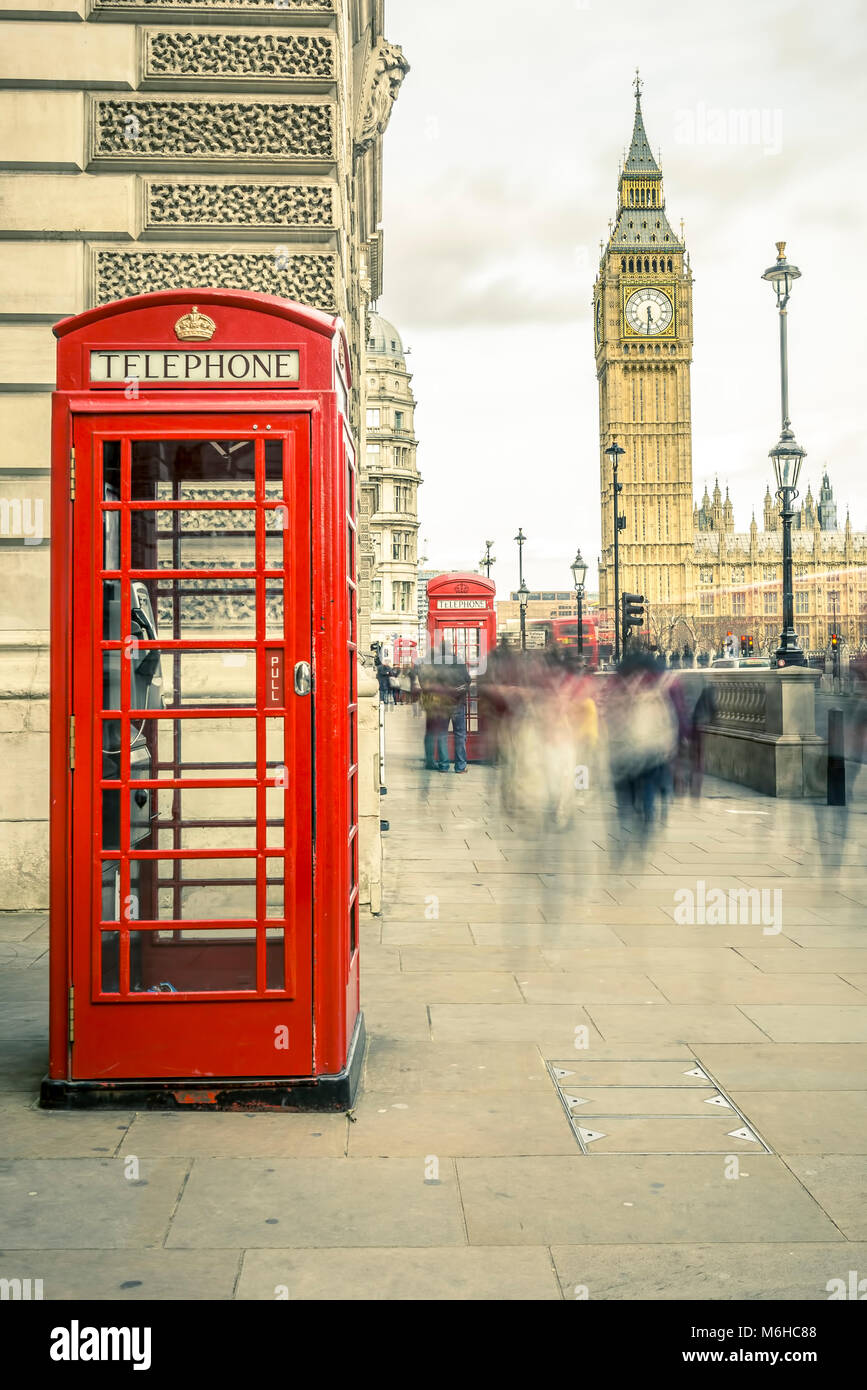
x: 204, y: 778
x: 462, y: 628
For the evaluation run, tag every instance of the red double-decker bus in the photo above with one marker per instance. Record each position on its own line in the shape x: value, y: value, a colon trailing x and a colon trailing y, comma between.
x: 563, y: 632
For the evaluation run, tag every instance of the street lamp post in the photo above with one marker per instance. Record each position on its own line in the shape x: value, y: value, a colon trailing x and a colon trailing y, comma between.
x: 615, y: 453
x: 787, y: 457
x: 520, y: 538
x: 579, y: 573
x: 523, y: 596
x: 488, y: 559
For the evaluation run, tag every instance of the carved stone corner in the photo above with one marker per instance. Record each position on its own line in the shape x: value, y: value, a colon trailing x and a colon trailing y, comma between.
x: 384, y: 71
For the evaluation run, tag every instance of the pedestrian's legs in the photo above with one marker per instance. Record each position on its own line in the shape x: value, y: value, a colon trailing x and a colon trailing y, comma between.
x: 459, y: 724
x: 441, y: 752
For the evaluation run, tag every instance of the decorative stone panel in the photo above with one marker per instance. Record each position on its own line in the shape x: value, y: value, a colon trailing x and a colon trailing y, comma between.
x: 309, y: 279
x: 225, y: 55
x: 221, y: 6
x: 208, y: 129
x: 242, y: 205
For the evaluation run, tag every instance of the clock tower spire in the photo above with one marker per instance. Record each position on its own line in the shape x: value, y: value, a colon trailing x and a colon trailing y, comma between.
x: 642, y: 310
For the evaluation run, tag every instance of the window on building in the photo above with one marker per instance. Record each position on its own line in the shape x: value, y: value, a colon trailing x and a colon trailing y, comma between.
x: 401, y: 545
x: 402, y: 497
x: 398, y: 419
x: 706, y: 605
x: 705, y: 574
x: 376, y: 595
x: 375, y: 498
x: 802, y: 601
x: 739, y: 605
x: 402, y: 595
x: 771, y: 602
x: 737, y: 574
x: 769, y: 571
x: 373, y: 418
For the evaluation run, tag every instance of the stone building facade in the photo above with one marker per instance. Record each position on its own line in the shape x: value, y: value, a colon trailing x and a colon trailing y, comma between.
x: 155, y: 144
x: 392, y: 476
x: 739, y: 575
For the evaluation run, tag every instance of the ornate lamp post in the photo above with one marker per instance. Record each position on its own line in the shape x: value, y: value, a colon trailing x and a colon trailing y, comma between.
x: 488, y: 559
x: 787, y: 456
x: 523, y: 596
x: 615, y: 452
x: 579, y: 573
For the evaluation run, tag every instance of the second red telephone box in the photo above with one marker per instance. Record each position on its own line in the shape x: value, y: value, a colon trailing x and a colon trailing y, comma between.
x: 204, y: 764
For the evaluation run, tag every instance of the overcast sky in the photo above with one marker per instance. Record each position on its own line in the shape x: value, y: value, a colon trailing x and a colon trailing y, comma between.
x: 500, y: 176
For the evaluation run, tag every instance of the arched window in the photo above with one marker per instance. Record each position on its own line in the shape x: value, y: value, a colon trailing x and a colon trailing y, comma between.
x: 622, y: 262
x: 646, y: 262
x: 631, y: 264
x: 643, y: 193
x: 669, y: 263
x: 654, y: 263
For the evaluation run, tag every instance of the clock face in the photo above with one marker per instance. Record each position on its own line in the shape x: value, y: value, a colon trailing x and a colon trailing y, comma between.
x: 649, y: 311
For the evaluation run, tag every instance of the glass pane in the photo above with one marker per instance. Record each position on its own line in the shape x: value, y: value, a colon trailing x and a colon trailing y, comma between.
x: 196, y: 539
x: 201, y: 678
x: 215, y: 609
x: 110, y: 962
x: 192, y: 962
x: 274, y: 891
x: 273, y: 607
x: 188, y: 470
x: 201, y: 747
x: 111, y: 890
x: 275, y: 805
x: 273, y: 468
x: 275, y: 755
x: 111, y: 680
x: 197, y: 889
x: 206, y: 818
x: 111, y: 470
x: 275, y: 958
x: 276, y: 521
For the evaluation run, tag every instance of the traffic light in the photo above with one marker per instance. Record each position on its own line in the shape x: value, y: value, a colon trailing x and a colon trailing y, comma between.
x: 632, y: 613
x: 729, y: 644
x: 749, y: 646
x: 743, y: 646
x: 835, y: 641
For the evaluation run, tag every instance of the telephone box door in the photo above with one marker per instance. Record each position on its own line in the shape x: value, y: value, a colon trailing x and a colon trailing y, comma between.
x: 191, y: 791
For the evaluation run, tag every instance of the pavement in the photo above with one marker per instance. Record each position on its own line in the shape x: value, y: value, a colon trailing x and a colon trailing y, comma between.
x: 579, y: 1082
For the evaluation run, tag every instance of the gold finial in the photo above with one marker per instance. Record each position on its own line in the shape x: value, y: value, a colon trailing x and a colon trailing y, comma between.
x: 637, y: 86
x: 195, y: 327
x: 781, y: 250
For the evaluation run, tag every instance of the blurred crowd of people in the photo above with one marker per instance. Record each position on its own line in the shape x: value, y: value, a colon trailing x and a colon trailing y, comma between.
x: 560, y: 735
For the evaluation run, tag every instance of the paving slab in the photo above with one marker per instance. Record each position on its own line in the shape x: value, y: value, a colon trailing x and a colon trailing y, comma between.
x: 300, y: 1202
x: 588, y: 987
x: 673, y: 1023
x: 468, y: 986
x: 552, y: 1026
x: 128, y: 1276
x: 397, y: 1020
x: 466, y: 1274
x: 808, y: 1023
x: 543, y: 934
x: 202, y: 1135
x: 405, y: 1068
x: 622, y: 1198
x: 799, y: 1066
x: 796, y: 1271
x: 836, y: 1182
x: 648, y: 960
x: 420, y: 958
x: 809, y: 1122
x: 452, y: 1123
x: 755, y: 988
x: 87, y: 1203
x: 28, y: 1132
x: 23, y: 1063
x: 809, y: 960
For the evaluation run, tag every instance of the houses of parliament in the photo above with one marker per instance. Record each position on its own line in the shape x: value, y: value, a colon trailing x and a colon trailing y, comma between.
x: 701, y: 578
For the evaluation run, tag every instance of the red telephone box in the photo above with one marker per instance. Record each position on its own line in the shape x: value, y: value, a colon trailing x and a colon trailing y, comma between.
x: 462, y: 627
x: 204, y: 779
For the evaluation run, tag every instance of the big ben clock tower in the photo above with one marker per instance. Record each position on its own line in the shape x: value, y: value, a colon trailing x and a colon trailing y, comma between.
x: 642, y: 316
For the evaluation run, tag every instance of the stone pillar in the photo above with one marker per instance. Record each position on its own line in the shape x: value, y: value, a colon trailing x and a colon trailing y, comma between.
x: 369, y: 838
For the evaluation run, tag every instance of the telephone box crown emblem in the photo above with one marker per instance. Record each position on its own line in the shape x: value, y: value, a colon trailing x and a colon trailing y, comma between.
x: 195, y: 327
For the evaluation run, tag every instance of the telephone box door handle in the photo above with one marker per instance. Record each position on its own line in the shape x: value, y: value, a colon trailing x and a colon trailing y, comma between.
x: 303, y: 678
